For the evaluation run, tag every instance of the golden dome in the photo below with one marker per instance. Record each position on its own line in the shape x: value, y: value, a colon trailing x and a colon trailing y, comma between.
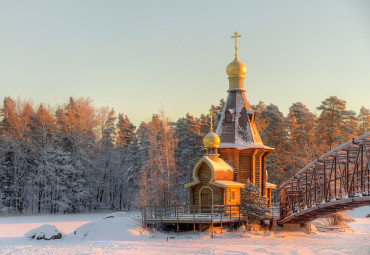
x: 236, y: 68
x: 211, y: 140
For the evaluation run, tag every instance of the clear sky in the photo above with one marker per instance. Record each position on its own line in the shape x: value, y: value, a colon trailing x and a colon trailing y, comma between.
x: 139, y: 56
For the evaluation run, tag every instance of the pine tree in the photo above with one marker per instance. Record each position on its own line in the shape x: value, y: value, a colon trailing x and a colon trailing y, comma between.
x: 364, y: 121
x: 42, y: 130
x: 301, y: 145
x: 330, y: 124
x: 350, y: 129
x: 275, y: 135
x: 261, y: 122
x: 217, y: 110
x: 126, y: 131
x: 77, y: 122
x: 189, y: 149
x: 129, y: 163
x: 253, y: 206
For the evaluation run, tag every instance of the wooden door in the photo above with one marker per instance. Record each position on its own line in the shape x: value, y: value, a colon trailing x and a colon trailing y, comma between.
x: 206, y: 200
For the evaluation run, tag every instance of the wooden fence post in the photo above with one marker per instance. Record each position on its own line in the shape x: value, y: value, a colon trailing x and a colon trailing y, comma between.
x: 194, y: 218
x: 212, y: 222
x: 161, y: 221
x: 177, y: 219
x: 221, y: 217
x: 239, y: 215
x: 230, y: 217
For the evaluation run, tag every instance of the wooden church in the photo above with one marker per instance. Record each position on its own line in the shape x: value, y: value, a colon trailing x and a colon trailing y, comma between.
x: 234, y: 154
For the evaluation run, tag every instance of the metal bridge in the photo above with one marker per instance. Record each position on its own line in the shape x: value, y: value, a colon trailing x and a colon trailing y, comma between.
x: 337, y: 181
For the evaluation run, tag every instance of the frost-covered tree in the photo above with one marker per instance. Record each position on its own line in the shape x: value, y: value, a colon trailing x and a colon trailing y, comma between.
x: 189, y: 149
x: 160, y: 170
x: 80, y: 158
x: 43, y: 126
x: 129, y: 161
x: 77, y: 122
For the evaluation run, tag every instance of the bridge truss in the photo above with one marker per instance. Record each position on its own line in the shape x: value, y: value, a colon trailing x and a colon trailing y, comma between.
x: 337, y: 181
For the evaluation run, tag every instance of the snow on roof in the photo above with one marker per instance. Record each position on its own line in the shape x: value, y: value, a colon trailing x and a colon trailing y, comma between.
x: 242, y: 132
x: 230, y: 184
x: 270, y: 185
x: 241, y: 144
x: 220, y: 165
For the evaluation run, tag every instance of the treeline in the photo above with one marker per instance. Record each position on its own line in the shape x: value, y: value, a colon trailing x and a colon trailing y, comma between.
x: 78, y: 158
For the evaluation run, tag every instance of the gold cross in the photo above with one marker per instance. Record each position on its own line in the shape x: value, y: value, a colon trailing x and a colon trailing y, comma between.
x: 236, y: 35
x: 211, y: 113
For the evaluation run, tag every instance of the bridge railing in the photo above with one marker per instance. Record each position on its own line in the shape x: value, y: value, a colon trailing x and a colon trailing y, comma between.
x: 339, y: 174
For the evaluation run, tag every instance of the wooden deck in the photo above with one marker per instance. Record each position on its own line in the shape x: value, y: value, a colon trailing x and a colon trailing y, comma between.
x: 185, y: 214
x: 197, y: 218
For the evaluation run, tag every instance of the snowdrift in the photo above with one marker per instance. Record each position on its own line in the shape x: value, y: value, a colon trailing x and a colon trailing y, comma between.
x: 114, y: 227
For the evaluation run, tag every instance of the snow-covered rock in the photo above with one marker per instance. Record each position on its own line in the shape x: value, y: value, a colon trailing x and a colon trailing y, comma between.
x: 45, y: 232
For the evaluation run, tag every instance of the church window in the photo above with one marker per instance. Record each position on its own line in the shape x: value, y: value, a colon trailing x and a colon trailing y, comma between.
x: 232, y: 195
x: 228, y: 117
x: 206, y: 176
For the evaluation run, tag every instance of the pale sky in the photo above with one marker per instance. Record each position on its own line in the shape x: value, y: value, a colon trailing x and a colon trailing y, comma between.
x: 139, y: 56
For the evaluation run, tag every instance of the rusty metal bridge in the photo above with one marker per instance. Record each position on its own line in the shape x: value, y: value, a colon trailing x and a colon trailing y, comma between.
x: 337, y: 181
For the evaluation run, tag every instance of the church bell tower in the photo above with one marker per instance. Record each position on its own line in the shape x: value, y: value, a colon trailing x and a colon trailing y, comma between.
x: 240, y: 142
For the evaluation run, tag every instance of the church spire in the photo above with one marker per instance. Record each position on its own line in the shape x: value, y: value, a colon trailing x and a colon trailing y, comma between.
x: 236, y: 35
x: 236, y: 69
x: 236, y: 127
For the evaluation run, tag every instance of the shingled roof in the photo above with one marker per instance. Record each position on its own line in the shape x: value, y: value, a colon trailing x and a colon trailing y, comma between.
x: 238, y: 129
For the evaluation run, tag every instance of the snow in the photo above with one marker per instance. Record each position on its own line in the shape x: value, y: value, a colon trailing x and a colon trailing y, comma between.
x: 220, y: 165
x: 117, y: 227
x: 121, y: 234
x: 230, y: 183
x: 241, y: 145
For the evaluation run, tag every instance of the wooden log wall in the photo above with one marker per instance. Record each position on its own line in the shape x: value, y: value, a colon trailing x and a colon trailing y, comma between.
x: 246, y: 165
x: 249, y: 164
x: 228, y: 200
x: 231, y: 156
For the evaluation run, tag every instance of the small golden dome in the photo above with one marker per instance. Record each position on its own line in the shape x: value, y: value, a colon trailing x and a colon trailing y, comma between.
x: 211, y: 140
x: 236, y: 68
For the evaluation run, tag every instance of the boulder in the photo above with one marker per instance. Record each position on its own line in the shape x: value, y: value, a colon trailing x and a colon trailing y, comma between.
x: 44, y: 232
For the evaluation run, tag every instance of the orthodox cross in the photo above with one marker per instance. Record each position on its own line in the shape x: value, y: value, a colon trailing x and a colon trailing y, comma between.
x: 236, y: 35
x: 211, y: 113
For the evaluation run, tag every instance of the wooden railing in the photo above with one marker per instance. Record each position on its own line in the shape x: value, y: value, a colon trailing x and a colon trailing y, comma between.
x: 198, y: 214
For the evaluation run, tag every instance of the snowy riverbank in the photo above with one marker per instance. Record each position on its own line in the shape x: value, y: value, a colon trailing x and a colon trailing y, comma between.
x: 122, y: 235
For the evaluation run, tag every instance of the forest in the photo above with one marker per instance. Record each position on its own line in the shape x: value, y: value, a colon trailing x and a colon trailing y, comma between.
x: 80, y: 158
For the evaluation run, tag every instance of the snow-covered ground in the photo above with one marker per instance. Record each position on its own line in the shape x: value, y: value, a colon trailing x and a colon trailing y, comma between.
x: 122, y: 234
